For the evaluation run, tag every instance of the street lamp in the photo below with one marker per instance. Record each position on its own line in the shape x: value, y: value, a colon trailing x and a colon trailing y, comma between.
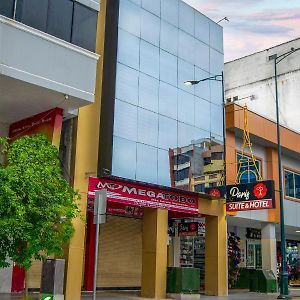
x: 218, y: 77
x: 284, y: 290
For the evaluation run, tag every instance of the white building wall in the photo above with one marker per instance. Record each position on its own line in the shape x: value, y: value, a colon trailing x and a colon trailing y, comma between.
x: 254, y: 75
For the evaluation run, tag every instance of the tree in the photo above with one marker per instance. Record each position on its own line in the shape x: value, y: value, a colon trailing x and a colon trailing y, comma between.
x: 37, y: 204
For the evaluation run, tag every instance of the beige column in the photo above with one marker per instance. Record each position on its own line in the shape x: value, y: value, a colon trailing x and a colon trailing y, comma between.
x: 268, y: 247
x: 154, y: 260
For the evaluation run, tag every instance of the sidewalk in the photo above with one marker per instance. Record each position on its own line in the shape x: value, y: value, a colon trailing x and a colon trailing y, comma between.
x: 295, y: 293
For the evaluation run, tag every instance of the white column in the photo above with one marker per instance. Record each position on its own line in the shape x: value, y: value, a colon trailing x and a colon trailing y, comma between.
x: 6, y: 279
x: 268, y: 247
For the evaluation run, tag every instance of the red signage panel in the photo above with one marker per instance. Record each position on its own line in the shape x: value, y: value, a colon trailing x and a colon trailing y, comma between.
x: 132, y: 195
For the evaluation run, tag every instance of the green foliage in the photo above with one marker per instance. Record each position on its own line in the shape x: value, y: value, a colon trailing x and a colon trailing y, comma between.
x: 37, y: 204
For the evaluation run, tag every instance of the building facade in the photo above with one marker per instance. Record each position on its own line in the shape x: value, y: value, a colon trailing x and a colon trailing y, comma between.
x: 47, y: 72
x: 259, y: 231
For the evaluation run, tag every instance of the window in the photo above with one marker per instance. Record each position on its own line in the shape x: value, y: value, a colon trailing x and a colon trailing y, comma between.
x: 292, y: 184
x: 181, y: 175
x: 6, y: 8
x: 246, y: 168
x: 59, y: 21
x: 181, y: 159
x: 200, y: 188
x: 84, y: 27
x: 33, y: 13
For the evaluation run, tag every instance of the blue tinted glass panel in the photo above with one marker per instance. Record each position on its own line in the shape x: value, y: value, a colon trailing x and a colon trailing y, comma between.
x: 150, y: 28
x: 202, y: 56
x: 186, y: 134
x: 152, y: 6
x: 127, y: 84
x: 148, y: 92
x: 186, y: 18
x: 149, y: 59
x: 185, y: 73
x: 84, y: 27
x: 217, y: 119
x: 125, y: 125
x: 186, y: 107
x: 200, y: 134
x: 168, y: 100
x: 202, y: 113
x: 168, y: 68
x: 146, y: 163
x: 186, y: 47
x: 130, y: 17
x: 147, y: 127
x: 169, y: 37
x: 289, y: 184
x: 167, y: 137
x: 216, y: 62
x: 169, y: 11
x: 297, y: 186
x: 216, y: 92
x: 202, y: 27
x: 163, y: 168
x: 203, y: 88
x: 124, y: 158
x: 128, y: 49
x: 216, y: 36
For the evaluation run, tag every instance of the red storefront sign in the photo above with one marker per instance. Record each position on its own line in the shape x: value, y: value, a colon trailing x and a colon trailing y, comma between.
x: 124, y: 197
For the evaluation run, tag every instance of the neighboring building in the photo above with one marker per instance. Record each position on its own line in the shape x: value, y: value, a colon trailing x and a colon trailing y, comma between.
x: 259, y: 230
x: 252, y: 77
x: 47, y: 69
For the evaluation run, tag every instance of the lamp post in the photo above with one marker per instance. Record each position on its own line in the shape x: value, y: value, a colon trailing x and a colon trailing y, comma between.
x: 218, y: 77
x: 284, y: 290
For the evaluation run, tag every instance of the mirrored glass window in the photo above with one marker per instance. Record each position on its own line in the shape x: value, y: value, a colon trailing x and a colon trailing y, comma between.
x: 201, y: 55
x: 186, y: 47
x: 216, y: 92
x: 186, y: 134
x: 169, y: 11
x: 167, y: 137
x: 216, y: 36
x: 163, y: 168
x: 127, y: 84
x: 148, y: 92
x: 186, y: 107
x: 124, y: 158
x: 217, y: 119
x: 150, y: 27
x: 185, y: 73
x: 202, y: 27
x: 186, y: 18
x: 216, y: 62
x: 202, y: 113
x: 125, y: 123
x: 130, y: 17
x: 202, y: 89
x: 128, y: 49
x: 169, y: 37
x: 152, y: 6
x: 146, y: 163
x: 149, y: 59
x: 147, y: 127
x: 59, y: 20
x: 168, y: 67
x: 168, y: 100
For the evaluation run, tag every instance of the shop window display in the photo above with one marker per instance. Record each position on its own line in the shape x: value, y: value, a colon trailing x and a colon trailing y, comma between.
x: 234, y: 259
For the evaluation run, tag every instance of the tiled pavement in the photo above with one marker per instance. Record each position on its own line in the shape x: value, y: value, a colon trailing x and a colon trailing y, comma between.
x: 295, y: 293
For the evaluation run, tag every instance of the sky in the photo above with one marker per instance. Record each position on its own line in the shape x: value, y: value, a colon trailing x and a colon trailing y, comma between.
x: 254, y: 25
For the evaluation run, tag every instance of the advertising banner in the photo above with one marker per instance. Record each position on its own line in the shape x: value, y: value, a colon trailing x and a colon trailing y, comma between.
x: 48, y: 123
x: 125, y: 197
x: 250, y: 196
x: 188, y: 229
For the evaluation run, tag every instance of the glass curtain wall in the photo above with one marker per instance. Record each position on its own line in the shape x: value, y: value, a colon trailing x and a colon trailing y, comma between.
x: 164, y: 131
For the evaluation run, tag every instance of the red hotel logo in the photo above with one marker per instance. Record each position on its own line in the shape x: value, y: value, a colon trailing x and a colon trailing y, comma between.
x: 260, y: 190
